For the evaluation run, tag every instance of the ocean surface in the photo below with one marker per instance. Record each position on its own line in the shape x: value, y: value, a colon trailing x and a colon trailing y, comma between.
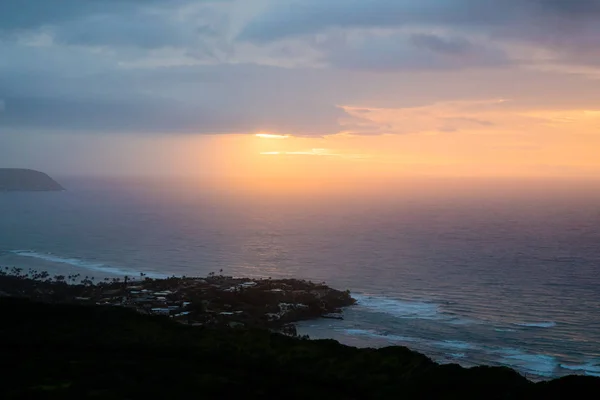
x: 494, y: 274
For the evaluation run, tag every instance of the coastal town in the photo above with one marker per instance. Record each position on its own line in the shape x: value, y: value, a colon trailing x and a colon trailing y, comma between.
x: 215, y: 300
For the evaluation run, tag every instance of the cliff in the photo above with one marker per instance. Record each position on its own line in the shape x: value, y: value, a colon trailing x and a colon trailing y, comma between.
x: 13, y: 179
x: 71, y: 351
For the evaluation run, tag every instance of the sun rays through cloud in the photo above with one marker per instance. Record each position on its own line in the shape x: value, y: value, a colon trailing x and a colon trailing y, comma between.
x: 217, y: 87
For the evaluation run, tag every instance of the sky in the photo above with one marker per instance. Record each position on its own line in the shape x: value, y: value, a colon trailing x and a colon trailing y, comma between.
x: 301, y: 89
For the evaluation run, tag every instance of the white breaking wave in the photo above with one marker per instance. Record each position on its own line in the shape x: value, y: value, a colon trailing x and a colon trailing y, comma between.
x: 540, y: 365
x: 592, y: 369
x: 456, y: 345
x: 536, y: 364
x: 550, y: 324
x: 76, y: 262
x: 399, y: 308
x: 446, y: 344
x: 409, y: 309
x: 374, y: 334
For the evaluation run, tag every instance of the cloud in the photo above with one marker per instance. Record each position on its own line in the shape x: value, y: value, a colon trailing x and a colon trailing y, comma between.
x: 568, y: 28
x: 438, y: 44
x: 29, y: 14
x: 159, y: 115
x: 145, y: 30
x: 288, y: 18
x: 431, y: 118
x: 143, y: 67
x: 198, y: 99
x: 496, y: 116
x: 410, y: 51
x: 143, y: 24
x: 169, y: 66
x: 319, y: 152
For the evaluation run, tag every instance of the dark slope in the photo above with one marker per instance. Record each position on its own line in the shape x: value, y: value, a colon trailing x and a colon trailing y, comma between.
x: 79, y: 352
x: 13, y: 179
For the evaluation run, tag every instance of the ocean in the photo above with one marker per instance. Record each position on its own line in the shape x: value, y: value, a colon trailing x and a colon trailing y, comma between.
x: 475, y: 273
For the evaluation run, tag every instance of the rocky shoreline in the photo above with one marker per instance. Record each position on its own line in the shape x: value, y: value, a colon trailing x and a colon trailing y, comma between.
x: 75, y: 351
x: 213, y: 301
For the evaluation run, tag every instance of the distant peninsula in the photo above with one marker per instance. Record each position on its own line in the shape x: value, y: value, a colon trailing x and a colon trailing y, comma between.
x: 21, y: 180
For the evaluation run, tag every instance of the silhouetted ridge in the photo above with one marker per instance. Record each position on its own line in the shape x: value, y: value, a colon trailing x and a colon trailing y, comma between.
x: 13, y: 179
x: 68, y: 351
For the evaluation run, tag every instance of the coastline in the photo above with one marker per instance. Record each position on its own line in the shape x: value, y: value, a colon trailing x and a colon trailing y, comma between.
x: 65, y: 350
x: 362, y: 326
x: 215, y: 300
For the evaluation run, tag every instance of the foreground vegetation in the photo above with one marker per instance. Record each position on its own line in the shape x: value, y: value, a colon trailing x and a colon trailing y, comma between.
x: 72, y: 351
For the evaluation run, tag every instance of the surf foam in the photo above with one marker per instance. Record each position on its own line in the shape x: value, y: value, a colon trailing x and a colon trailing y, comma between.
x: 399, y: 308
x: 549, y: 324
x: 408, y: 309
x: 592, y: 369
x: 376, y: 335
x: 455, y: 345
x: 536, y: 364
x: 79, y: 263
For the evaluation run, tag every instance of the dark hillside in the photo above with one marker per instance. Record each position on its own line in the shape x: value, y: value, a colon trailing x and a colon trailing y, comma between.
x: 62, y: 351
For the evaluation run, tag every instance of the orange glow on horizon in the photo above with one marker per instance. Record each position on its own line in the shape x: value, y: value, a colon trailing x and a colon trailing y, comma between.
x: 486, y: 139
x: 271, y: 136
